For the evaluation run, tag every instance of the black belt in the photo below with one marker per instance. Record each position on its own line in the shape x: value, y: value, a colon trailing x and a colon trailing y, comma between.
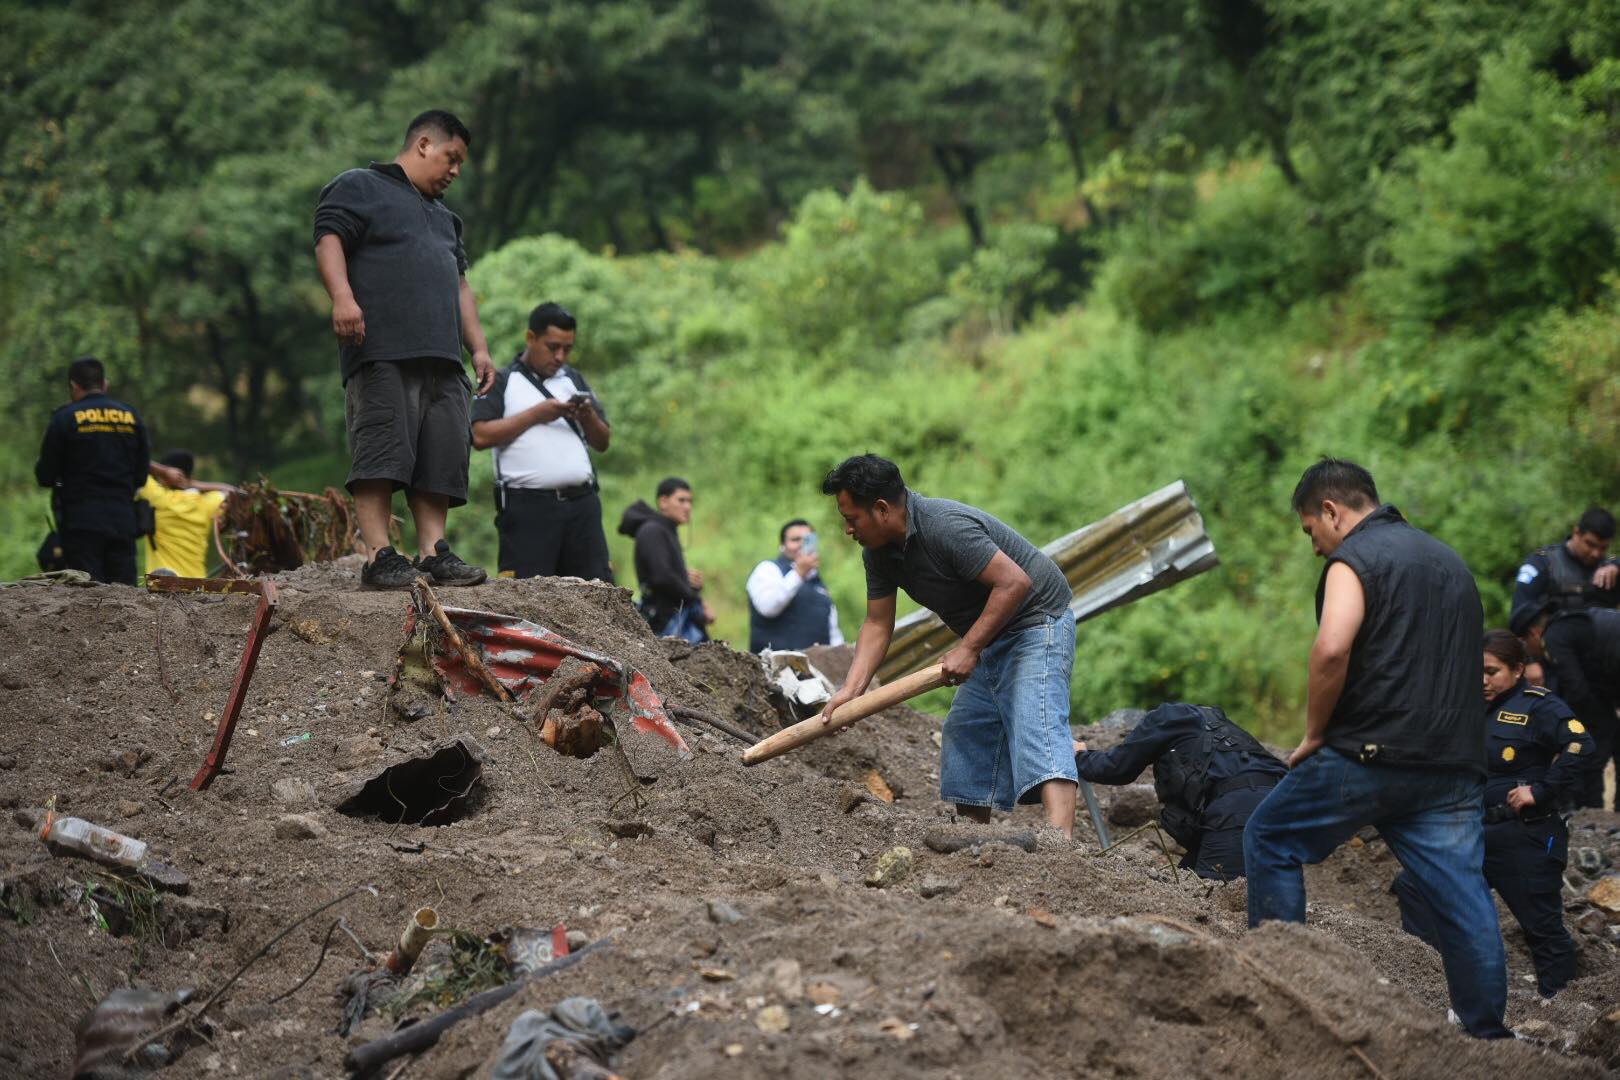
x: 564, y: 494
x: 1503, y: 812
x: 1244, y: 781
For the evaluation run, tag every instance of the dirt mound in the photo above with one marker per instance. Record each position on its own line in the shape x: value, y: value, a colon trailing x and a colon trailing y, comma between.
x: 736, y: 900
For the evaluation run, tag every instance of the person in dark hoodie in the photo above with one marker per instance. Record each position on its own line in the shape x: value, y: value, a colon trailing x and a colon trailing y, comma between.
x: 671, y: 595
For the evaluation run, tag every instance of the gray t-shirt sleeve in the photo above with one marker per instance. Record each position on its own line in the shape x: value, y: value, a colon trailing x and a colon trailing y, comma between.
x: 344, y: 210
x: 963, y: 546
x: 879, y: 583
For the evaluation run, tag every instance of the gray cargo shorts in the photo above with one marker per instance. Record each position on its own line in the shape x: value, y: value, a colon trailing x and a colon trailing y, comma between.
x: 408, y: 422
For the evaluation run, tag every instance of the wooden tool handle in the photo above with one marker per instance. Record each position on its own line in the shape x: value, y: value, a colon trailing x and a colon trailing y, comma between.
x: 918, y: 682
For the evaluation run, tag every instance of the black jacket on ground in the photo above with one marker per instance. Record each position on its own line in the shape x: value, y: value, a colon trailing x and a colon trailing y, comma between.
x: 95, y: 455
x: 1411, y: 694
x: 660, y: 564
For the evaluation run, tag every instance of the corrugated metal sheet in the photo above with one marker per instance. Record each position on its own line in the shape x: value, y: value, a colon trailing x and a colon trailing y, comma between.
x: 1137, y: 550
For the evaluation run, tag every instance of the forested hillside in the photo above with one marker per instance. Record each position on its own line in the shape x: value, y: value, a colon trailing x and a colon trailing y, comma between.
x: 1048, y: 256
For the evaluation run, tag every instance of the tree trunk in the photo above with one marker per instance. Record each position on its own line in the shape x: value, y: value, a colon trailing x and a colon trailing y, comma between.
x: 958, y: 163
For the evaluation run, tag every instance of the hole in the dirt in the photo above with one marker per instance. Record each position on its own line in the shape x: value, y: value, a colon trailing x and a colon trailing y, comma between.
x: 437, y: 789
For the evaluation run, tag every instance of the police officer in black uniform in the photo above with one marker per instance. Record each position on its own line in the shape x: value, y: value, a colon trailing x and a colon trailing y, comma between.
x: 1208, y: 773
x: 1581, y: 651
x: 1536, y: 746
x: 1574, y: 574
x: 95, y: 457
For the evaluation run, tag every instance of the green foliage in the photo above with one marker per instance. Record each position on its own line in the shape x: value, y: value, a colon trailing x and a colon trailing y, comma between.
x: 1515, y: 213
x: 1255, y: 242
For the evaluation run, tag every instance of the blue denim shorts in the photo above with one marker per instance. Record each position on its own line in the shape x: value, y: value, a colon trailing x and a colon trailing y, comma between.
x: 1008, y: 728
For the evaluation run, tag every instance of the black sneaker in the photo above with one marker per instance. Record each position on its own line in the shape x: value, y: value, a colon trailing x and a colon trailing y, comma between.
x: 389, y: 570
x: 446, y: 569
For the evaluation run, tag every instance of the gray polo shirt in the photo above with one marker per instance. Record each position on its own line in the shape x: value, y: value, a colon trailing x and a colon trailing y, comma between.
x: 948, y: 544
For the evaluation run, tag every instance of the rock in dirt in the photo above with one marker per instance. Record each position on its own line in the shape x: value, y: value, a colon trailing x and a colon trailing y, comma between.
x: 1590, y: 861
x: 577, y: 940
x: 893, y: 867
x: 129, y: 807
x: 947, y: 840
x: 723, y: 913
x: 1605, y: 894
x: 786, y: 979
x: 933, y: 885
x: 293, y: 791
x: 1132, y: 805
x: 772, y: 1019
x: 299, y: 827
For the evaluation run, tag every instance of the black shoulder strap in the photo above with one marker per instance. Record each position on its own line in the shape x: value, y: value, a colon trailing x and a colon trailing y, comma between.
x: 540, y: 384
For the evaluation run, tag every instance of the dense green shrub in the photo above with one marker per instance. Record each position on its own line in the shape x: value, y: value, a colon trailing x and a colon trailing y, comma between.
x: 1515, y: 212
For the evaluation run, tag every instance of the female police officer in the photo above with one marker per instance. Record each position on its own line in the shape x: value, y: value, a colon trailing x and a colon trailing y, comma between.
x: 1535, y: 746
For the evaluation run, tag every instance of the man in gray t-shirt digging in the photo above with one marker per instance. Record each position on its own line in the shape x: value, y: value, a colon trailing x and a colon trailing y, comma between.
x: 1007, y: 736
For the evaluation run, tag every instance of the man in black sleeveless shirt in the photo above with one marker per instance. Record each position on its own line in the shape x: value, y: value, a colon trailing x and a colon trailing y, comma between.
x: 1393, y: 732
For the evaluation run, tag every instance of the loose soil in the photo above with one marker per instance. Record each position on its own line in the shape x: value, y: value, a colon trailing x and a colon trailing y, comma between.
x: 744, y: 938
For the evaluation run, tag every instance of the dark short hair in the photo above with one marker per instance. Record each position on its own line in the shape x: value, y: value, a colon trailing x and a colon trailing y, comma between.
x: 444, y: 124
x: 669, y: 485
x: 1506, y: 647
x: 1598, y: 522
x: 781, y: 536
x: 1526, y: 617
x: 87, y: 373
x: 867, y: 478
x: 1334, y: 478
x: 183, y: 460
x: 549, y: 314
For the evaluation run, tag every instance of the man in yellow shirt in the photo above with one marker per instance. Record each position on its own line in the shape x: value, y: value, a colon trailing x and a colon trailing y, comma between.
x: 185, y: 511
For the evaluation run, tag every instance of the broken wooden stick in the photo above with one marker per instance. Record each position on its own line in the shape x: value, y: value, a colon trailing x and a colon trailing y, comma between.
x: 903, y: 689
x: 469, y: 656
x: 425, y: 1033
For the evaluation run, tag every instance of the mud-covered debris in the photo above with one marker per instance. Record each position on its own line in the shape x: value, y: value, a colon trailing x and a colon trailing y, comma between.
x: 959, y: 838
x: 574, y: 1040
x: 933, y: 885
x: 1590, y: 861
x: 786, y: 979
x: 893, y: 867
x: 118, y: 1023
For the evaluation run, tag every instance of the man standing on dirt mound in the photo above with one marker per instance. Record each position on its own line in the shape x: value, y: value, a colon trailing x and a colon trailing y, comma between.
x: 1393, y: 736
x: 390, y: 256
x: 1007, y: 737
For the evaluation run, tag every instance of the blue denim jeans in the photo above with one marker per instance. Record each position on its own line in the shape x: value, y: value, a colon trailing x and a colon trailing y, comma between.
x: 1430, y: 818
x: 1008, y: 729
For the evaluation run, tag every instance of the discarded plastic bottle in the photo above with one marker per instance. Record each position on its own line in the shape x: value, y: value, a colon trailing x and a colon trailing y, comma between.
x: 93, y: 841
x: 293, y: 740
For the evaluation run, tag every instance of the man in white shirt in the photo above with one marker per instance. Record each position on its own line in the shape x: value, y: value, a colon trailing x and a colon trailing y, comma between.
x: 788, y: 605
x: 541, y: 420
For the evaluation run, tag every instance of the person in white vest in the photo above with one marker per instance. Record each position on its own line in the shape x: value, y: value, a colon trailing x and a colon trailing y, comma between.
x: 788, y: 604
x: 541, y: 420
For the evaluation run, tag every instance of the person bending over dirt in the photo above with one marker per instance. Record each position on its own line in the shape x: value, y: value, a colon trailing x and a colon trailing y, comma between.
x: 390, y: 255
x: 1007, y: 738
x: 1392, y: 733
x: 1208, y: 773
